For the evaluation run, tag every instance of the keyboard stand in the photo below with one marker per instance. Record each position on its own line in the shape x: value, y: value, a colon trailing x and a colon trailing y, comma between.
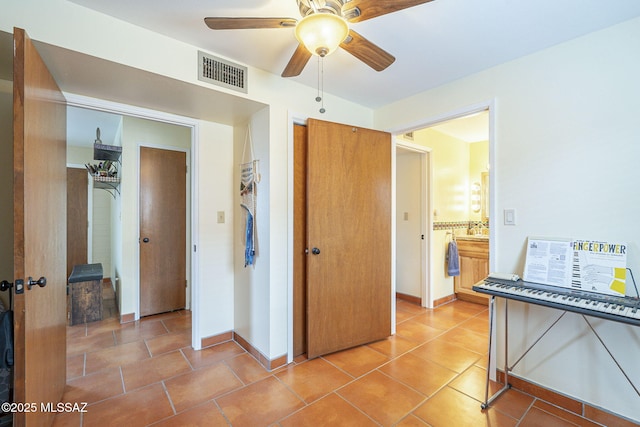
x: 488, y: 400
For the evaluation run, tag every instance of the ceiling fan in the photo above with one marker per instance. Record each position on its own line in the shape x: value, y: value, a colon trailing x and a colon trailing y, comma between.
x: 324, y: 27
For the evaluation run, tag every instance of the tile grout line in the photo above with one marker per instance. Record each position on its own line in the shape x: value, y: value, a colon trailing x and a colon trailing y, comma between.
x: 166, y: 392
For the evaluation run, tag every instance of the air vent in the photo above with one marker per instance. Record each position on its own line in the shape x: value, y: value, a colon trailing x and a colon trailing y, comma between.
x: 222, y: 73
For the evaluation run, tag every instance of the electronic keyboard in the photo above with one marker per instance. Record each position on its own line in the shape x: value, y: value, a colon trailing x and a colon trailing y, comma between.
x: 617, y: 308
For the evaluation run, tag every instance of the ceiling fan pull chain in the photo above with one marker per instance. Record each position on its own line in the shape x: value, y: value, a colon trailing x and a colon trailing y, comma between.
x: 318, y: 98
x: 322, y: 110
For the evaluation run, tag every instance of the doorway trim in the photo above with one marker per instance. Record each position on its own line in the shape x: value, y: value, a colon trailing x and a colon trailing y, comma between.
x: 143, y: 113
x: 293, y: 119
x: 429, y: 121
x: 426, y: 220
x: 139, y: 146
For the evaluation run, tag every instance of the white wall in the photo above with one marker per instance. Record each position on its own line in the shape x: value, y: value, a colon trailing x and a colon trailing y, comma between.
x: 252, y: 283
x: 566, y: 158
x: 101, y: 230
x: 215, y: 167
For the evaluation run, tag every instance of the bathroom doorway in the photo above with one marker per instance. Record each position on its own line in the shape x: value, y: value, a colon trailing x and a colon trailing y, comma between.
x: 459, y: 191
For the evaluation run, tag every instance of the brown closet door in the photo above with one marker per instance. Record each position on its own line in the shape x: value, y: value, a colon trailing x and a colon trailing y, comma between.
x: 163, y: 279
x: 349, y: 229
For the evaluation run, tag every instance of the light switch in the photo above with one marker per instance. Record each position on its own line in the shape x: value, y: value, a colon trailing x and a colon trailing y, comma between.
x: 220, y: 217
x: 510, y: 216
x: 406, y: 216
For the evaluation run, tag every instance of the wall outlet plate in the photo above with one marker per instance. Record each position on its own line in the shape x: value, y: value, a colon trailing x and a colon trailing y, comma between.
x: 510, y: 216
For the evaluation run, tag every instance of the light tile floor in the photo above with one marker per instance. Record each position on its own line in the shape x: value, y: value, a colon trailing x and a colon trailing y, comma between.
x: 431, y: 373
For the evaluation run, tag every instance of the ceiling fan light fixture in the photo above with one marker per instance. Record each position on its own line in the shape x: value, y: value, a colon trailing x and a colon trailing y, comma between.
x: 322, y: 33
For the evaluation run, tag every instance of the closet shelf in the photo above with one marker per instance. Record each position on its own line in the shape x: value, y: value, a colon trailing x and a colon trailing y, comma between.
x: 106, y: 152
x: 105, y: 175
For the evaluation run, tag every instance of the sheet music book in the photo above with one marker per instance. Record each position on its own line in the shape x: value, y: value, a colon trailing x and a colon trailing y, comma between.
x: 589, y: 265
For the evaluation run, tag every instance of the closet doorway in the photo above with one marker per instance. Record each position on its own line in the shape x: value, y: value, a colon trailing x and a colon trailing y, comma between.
x: 342, y: 284
x: 114, y: 214
x: 412, y: 228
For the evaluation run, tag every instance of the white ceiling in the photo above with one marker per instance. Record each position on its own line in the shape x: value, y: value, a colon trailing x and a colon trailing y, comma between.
x: 434, y: 43
x: 82, y: 124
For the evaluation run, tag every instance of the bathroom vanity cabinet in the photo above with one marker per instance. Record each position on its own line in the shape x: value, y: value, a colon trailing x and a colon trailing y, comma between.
x: 474, y: 267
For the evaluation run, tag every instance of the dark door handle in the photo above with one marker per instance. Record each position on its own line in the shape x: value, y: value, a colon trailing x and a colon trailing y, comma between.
x: 315, y: 251
x: 42, y: 282
x: 145, y: 240
x: 4, y: 285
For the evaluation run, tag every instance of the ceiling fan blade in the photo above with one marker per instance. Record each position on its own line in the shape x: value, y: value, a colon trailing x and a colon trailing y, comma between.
x: 372, y: 8
x: 372, y: 55
x: 248, y: 23
x: 297, y: 62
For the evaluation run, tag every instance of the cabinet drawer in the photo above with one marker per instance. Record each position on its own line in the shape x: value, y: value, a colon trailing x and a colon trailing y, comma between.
x: 473, y: 248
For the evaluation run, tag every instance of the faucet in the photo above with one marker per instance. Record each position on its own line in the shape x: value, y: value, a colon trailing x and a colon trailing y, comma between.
x: 480, y: 228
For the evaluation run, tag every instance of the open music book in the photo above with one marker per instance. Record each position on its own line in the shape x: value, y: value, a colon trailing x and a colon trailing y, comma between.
x: 589, y: 265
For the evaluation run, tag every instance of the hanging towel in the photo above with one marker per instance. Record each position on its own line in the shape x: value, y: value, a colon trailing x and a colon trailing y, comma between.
x: 249, y: 250
x: 453, y: 264
x: 249, y: 179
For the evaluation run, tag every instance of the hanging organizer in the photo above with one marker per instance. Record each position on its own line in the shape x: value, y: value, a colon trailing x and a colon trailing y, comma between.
x: 249, y: 178
x: 105, y: 174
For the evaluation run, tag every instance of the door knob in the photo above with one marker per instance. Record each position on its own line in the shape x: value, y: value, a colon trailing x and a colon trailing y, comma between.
x: 4, y: 285
x: 42, y: 282
x: 145, y: 240
x: 315, y: 251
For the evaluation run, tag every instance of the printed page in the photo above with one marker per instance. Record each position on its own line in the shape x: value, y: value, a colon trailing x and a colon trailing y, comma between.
x: 600, y: 266
x: 549, y: 262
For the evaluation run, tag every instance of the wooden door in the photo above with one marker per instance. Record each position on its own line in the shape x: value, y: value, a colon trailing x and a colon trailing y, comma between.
x: 299, y: 240
x: 348, y: 235
x: 40, y: 239
x: 77, y: 224
x: 162, y: 230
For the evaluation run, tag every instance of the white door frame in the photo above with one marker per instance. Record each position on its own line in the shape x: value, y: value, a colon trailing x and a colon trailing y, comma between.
x: 426, y: 220
x: 128, y: 110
